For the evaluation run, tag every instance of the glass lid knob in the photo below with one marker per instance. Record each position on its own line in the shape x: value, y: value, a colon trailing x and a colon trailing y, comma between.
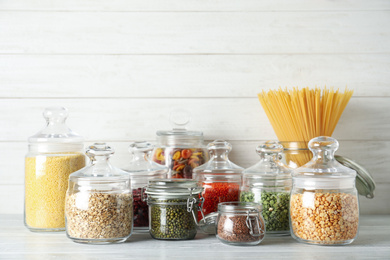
x: 270, y: 147
x: 99, y: 149
x: 180, y: 119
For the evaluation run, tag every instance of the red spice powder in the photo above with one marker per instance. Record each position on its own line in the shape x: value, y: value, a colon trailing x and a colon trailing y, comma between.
x: 217, y: 192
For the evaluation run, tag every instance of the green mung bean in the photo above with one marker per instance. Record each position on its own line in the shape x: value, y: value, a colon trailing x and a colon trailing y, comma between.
x: 169, y: 219
x: 275, y: 208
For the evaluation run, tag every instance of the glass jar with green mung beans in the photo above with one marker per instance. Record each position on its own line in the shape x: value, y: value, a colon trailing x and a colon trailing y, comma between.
x: 173, y: 208
x: 269, y: 183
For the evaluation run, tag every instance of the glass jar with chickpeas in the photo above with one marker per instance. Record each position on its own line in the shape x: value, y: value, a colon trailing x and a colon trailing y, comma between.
x: 324, y: 205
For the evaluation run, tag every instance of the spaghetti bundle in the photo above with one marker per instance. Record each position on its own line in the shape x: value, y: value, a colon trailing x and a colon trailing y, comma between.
x: 301, y: 114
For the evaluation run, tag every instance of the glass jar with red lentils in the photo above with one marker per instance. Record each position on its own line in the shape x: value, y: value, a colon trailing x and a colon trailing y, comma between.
x: 324, y: 207
x: 142, y: 169
x: 220, y: 178
x: 179, y: 149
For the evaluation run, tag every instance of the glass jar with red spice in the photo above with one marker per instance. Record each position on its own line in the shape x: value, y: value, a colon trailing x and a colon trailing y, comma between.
x: 179, y: 149
x: 220, y: 178
x: 141, y: 170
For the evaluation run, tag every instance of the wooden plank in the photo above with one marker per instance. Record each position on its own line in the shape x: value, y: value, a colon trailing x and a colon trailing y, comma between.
x: 68, y: 76
x: 370, y: 154
x: 192, y: 5
x: 197, y: 32
x: 226, y: 118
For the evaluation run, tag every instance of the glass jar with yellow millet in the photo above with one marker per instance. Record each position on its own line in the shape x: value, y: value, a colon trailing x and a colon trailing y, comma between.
x: 54, y: 153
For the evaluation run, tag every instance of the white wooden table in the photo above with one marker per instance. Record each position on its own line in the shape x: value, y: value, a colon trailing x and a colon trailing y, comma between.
x: 16, y: 242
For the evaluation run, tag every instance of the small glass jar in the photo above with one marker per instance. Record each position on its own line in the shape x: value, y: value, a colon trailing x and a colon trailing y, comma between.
x: 180, y: 150
x: 220, y: 178
x: 99, y: 202
x: 324, y: 207
x: 54, y: 153
x: 268, y: 182
x: 240, y: 223
x: 141, y: 170
x: 173, y: 206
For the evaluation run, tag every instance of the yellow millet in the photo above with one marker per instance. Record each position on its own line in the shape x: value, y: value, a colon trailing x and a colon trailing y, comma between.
x: 46, y: 182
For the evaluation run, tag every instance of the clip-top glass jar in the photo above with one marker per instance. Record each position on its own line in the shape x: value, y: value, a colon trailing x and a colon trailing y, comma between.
x: 173, y: 206
x: 141, y: 170
x: 54, y: 153
x: 240, y: 223
x: 180, y: 150
x: 268, y: 182
x: 220, y: 178
x: 324, y: 205
x: 99, y: 202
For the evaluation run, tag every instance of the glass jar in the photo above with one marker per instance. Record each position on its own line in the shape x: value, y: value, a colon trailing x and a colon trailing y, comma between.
x: 180, y: 150
x: 324, y: 205
x: 296, y: 154
x: 268, y: 182
x: 54, y: 153
x: 173, y: 206
x: 141, y: 170
x: 220, y: 178
x: 240, y: 223
x: 99, y: 202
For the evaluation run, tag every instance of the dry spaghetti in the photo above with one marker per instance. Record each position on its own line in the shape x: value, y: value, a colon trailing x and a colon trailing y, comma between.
x: 301, y: 114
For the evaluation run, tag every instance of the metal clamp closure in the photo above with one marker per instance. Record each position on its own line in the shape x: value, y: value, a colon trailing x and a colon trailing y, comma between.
x: 256, y: 219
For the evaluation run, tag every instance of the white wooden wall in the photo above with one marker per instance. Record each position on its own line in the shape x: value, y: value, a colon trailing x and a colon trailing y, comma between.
x: 120, y: 66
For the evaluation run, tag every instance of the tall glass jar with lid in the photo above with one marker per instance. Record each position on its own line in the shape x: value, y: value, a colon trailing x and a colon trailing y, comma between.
x: 220, y: 178
x: 142, y: 169
x: 173, y: 207
x: 179, y: 149
x: 268, y: 182
x: 324, y: 207
x: 54, y: 153
x: 99, y: 202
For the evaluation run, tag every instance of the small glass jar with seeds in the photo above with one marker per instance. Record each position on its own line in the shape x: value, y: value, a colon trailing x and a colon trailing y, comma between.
x: 54, y: 153
x: 99, y: 201
x: 268, y: 182
x: 142, y: 169
x: 240, y: 223
x: 324, y: 207
x: 173, y: 208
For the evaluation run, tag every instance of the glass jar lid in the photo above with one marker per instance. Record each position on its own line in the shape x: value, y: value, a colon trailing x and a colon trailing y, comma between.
x: 323, y: 170
x: 219, y: 163
x: 269, y: 171
x: 365, y: 184
x: 141, y: 165
x: 173, y: 187
x: 100, y: 170
x: 56, y: 136
x: 179, y: 119
x: 239, y: 207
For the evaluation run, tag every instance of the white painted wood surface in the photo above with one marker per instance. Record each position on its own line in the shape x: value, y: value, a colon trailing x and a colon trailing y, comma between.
x: 16, y: 242
x: 121, y: 66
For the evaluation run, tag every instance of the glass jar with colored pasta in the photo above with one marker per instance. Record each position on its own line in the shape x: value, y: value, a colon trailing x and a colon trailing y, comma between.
x: 142, y: 169
x: 53, y: 154
x: 268, y: 182
x: 179, y: 149
x: 324, y: 208
x: 220, y: 178
x: 173, y: 206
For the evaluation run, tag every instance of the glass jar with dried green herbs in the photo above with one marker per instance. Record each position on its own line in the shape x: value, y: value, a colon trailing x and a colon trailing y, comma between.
x: 269, y: 183
x: 173, y: 208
